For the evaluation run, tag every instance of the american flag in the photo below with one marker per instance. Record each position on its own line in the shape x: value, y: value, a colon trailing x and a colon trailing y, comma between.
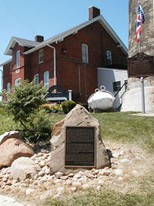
x: 139, y: 22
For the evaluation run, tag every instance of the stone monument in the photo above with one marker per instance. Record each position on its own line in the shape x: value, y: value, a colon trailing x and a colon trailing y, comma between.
x: 76, y: 143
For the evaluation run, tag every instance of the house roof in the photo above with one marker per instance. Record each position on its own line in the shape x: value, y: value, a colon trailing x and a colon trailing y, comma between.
x: 74, y: 30
x: 60, y: 37
x: 20, y: 41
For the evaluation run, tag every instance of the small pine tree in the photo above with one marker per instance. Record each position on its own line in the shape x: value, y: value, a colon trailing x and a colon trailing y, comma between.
x: 24, y: 104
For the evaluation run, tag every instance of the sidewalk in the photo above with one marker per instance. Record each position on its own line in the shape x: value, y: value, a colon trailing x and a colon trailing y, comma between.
x: 9, y: 201
x: 145, y: 114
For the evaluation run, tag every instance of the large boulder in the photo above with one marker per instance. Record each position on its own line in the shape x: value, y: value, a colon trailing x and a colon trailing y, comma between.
x: 23, y: 168
x: 77, y: 117
x: 8, y: 135
x: 12, y: 149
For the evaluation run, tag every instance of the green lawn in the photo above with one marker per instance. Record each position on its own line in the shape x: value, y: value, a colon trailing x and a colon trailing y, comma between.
x: 104, y: 198
x: 127, y: 128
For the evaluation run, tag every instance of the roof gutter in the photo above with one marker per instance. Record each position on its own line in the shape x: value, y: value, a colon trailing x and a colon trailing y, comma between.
x: 54, y: 64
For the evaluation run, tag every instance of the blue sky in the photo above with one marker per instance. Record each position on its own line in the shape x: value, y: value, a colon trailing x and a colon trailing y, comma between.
x: 27, y: 18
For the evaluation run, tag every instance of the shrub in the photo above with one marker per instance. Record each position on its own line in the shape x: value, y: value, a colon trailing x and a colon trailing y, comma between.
x: 68, y: 105
x: 24, y: 104
x: 52, y: 107
x: 38, y: 126
x: 25, y: 99
x: 46, y: 107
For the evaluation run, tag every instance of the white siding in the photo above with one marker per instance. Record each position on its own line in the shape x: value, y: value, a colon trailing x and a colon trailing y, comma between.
x: 106, y: 77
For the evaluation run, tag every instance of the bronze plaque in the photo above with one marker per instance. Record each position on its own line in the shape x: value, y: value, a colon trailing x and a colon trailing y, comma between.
x: 141, y: 65
x: 80, y: 147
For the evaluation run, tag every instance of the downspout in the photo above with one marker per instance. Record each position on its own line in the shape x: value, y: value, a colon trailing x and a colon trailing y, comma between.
x: 1, y: 83
x: 1, y: 79
x: 54, y: 64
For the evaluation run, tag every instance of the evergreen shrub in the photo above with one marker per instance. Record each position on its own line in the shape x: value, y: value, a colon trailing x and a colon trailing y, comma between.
x: 68, y: 105
x: 25, y: 106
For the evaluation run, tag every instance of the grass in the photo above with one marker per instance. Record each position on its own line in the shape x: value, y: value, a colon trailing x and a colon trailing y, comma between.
x: 6, y: 122
x: 119, y: 127
x: 115, y: 126
x: 127, y: 128
x: 104, y: 197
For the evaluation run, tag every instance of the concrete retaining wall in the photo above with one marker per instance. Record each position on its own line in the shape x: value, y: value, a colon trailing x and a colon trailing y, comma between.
x: 132, y: 99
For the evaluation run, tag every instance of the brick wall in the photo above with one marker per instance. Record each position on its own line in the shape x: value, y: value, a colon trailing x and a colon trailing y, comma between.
x: 71, y: 72
x: 7, y: 76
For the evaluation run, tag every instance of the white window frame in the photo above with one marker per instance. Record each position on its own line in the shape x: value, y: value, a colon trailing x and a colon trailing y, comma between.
x: 17, y: 81
x: 41, y: 56
x: 109, y: 57
x: 85, y: 54
x: 36, y: 79
x: 11, y: 67
x: 18, y: 59
x: 46, y: 79
x: 9, y: 87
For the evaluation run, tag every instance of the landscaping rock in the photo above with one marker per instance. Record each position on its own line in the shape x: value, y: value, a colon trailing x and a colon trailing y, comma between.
x: 12, y: 149
x: 8, y: 135
x: 23, y: 168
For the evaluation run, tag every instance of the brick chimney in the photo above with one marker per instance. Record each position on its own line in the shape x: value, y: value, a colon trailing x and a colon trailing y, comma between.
x: 93, y: 12
x: 39, y: 38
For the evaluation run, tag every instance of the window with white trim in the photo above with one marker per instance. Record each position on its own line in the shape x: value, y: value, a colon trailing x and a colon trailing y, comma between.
x: 40, y: 56
x: 17, y: 82
x: 18, y: 59
x: 36, y: 79
x: 46, y: 79
x: 11, y: 67
x: 109, y: 57
x: 8, y: 87
x: 84, y: 54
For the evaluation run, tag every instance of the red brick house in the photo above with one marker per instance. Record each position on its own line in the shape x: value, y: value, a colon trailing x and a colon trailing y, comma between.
x: 69, y: 59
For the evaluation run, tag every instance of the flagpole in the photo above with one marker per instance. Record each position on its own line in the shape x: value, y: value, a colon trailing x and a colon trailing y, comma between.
x: 140, y: 45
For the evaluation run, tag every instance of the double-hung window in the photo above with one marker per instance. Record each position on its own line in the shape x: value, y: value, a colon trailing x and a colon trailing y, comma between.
x: 36, y: 79
x: 11, y: 68
x: 40, y: 56
x: 109, y: 57
x: 46, y: 79
x: 8, y: 87
x: 18, y: 59
x: 17, y: 82
x: 84, y: 54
